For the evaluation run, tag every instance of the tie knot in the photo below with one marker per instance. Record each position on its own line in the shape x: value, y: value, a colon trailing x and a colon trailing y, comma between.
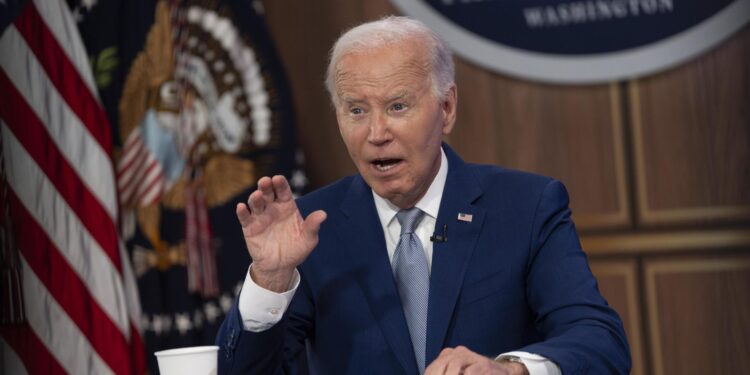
x: 409, y: 219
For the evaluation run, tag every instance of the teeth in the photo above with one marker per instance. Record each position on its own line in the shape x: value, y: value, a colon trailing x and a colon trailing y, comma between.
x: 384, y: 165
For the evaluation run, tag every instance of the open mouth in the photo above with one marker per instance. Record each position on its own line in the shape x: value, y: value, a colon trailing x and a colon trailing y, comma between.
x: 385, y: 164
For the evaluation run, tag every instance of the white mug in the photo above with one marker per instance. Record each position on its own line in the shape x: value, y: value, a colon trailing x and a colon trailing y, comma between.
x: 194, y: 360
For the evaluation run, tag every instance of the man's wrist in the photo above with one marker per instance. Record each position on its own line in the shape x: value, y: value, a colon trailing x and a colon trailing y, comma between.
x: 514, y: 364
x: 261, y: 308
x: 277, y: 281
x: 535, y: 364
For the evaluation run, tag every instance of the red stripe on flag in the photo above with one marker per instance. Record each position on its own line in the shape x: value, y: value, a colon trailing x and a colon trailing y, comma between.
x: 69, y: 291
x: 64, y: 75
x: 136, y: 149
x: 129, y: 188
x: 148, y: 183
x: 137, y: 351
x: 32, y: 352
x: 149, y: 197
x: 31, y: 133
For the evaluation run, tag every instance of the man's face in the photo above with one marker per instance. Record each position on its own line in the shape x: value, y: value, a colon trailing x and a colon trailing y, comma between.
x: 391, y: 121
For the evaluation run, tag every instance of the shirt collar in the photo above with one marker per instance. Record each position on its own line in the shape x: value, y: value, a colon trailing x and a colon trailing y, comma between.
x: 430, y: 202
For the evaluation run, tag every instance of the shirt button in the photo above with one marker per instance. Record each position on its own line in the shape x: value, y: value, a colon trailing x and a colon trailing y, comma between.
x: 274, y: 311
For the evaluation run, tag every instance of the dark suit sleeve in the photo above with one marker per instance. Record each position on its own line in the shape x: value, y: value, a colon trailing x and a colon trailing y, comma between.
x: 274, y: 351
x: 582, y: 333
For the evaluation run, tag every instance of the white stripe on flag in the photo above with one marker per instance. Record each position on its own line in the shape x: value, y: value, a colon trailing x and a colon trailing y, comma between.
x: 62, y: 25
x: 10, y: 361
x: 153, y: 173
x: 65, y: 230
x: 132, y: 146
x: 131, y: 176
x: 131, y: 291
x: 62, y: 338
x: 147, y: 170
x: 92, y: 164
x: 152, y: 194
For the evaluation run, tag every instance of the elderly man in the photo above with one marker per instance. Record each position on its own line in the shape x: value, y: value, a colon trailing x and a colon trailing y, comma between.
x: 420, y: 263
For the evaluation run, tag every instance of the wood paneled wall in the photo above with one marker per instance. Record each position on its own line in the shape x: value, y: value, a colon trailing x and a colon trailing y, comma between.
x: 658, y: 170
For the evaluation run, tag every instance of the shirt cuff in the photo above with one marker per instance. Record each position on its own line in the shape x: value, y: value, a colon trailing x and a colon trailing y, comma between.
x: 535, y: 364
x: 261, y: 308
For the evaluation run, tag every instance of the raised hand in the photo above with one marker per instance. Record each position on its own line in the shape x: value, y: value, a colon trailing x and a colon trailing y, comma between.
x: 277, y: 237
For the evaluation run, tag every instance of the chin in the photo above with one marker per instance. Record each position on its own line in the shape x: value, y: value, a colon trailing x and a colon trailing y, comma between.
x: 392, y: 194
x: 384, y: 192
x: 390, y: 189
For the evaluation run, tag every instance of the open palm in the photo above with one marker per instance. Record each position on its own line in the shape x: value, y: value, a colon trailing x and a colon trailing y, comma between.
x: 277, y: 237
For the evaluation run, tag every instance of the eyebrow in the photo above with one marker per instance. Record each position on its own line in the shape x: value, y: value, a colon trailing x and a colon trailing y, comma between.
x: 351, y: 100
x: 399, y: 95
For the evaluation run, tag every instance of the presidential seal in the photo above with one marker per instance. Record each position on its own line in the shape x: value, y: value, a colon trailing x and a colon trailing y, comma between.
x: 198, y: 120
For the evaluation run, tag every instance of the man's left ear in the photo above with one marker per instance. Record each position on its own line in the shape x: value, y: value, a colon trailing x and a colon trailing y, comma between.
x: 449, y: 109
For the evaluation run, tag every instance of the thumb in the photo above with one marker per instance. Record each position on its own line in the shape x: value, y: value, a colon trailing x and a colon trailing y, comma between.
x: 311, y: 225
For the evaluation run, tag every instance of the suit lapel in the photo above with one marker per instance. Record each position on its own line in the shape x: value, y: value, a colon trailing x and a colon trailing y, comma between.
x: 450, y: 259
x: 361, y: 231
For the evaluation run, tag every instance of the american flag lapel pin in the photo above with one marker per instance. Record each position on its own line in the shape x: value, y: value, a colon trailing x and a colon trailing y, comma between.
x: 465, y: 217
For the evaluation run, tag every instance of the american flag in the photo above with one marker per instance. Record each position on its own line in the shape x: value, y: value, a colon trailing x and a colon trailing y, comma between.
x: 140, y: 178
x: 79, y: 293
x: 465, y: 217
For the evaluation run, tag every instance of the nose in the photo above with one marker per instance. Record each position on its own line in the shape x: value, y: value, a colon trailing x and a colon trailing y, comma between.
x: 379, y: 129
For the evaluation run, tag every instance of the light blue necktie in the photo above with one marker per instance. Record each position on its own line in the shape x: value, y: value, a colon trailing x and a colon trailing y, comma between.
x: 413, y: 280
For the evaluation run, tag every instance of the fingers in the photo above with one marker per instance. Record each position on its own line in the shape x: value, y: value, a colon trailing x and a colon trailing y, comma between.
x: 281, y: 188
x: 457, y: 361
x: 265, y: 186
x: 437, y: 367
x: 243, y: 214
x: 257, y: 202
x: 270, y: 190
x: 311, y: 225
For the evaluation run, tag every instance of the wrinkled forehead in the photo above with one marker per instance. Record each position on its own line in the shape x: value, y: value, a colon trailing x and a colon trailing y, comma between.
x: 382, y: 68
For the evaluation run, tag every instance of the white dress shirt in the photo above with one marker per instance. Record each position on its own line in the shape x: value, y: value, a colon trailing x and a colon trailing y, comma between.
x: 260, y: 308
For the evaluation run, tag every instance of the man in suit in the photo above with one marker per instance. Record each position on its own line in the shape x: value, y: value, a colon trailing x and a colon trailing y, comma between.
x: 420, y: 263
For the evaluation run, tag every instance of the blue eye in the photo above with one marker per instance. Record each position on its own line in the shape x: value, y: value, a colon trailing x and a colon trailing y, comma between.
x: 398, y: 107
x: 356, y: 111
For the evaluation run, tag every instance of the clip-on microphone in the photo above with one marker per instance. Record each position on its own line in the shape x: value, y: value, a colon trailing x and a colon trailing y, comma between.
x: 440, y: 238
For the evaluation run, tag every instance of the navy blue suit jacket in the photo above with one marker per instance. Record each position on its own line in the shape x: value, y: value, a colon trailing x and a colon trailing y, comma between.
x: 513, y: 278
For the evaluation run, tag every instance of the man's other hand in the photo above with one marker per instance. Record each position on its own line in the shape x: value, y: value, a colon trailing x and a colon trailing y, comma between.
x: 277, y: 237
x: 462, y: 361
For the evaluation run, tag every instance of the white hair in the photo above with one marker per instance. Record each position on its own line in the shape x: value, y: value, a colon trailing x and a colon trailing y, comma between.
x: 389, y: 30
